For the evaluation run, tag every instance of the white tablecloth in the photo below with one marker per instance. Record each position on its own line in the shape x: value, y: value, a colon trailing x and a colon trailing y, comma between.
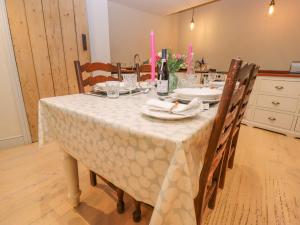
x: 157, y: 162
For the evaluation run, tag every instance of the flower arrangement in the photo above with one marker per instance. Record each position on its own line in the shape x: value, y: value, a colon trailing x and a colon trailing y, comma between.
x: 175, y: 61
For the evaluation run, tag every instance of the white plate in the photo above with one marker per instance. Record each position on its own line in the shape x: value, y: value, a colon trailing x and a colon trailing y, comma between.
x: 169, y: 116
x: 102, y: 87
x: 217, y: 83
x: 211, y: 101
x: 201, y: 93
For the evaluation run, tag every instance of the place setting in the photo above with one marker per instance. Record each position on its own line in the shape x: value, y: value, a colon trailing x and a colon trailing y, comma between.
x: 113, y: 89
x: 166, y: 110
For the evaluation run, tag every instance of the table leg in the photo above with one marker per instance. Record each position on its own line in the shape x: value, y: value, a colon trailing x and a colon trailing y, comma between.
x: 71, y: 170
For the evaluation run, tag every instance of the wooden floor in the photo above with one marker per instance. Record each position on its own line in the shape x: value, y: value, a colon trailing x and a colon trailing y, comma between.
x: 263, y: 188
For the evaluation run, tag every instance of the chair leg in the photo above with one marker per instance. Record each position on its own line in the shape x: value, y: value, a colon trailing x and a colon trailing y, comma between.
x: 212, y: 200
x: 224, y: 168
x: 137, y: 213
x: 231, y: 160
x: 93, y: 178
x: 233, y: 148
x: 120, y: 203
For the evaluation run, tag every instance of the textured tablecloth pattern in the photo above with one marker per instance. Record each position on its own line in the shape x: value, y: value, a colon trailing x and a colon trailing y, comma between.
x: 157, y: 162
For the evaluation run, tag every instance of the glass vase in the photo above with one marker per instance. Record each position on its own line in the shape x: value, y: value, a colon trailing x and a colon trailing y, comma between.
x: 173, y: 81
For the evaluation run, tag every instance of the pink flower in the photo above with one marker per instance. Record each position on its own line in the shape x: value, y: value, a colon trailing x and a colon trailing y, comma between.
x: 178, y: 55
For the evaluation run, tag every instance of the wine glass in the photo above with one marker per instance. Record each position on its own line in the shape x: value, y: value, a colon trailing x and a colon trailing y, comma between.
x: 191, y: 77
x: 130, y: 81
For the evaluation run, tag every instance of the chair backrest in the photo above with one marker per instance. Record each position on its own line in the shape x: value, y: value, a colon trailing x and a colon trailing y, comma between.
x: 247, y: 94
x: 220, y: 135
x: 92, y: 67
x: 143, y: 71
x: 231, y: 146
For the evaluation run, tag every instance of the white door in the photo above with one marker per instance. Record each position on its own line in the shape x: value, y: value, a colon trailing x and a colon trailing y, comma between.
x: 13, y: 123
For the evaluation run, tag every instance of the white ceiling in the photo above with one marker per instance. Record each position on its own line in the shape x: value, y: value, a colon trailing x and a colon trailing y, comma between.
x: 162, y: 7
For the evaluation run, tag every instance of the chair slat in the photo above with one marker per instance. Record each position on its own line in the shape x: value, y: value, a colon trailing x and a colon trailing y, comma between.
x: 143, y: 72
x: 216, y: 161
x: 224, y: 136
x: 230, y: 117
x: 98, y: 79
x: 238, y: 95
x: 91, y: 67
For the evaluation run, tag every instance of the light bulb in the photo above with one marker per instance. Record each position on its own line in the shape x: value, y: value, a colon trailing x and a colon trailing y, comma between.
x: 271, y: 9
x: 192, y: 25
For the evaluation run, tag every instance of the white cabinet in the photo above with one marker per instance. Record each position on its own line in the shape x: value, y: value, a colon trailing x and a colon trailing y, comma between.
x: 297, y: 128
x: 275, y: 105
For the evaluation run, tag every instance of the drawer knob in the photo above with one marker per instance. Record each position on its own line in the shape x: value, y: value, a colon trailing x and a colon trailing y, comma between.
x: 272, y: 118
x: 279, y: 87
x: 275, y: 103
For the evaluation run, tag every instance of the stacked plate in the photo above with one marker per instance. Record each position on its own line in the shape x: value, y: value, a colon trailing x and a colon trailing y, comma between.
x: 207, y: 95
x: 100, y: 87
x: 217, y: 84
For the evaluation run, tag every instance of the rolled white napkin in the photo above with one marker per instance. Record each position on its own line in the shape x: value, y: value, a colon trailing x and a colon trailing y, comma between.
x: 155, y: 104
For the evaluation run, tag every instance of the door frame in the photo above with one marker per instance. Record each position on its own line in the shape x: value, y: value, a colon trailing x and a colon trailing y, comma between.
x: 14, y: 78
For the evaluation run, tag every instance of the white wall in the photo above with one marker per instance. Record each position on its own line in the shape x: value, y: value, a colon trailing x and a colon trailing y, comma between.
x: 99, y: 30
x: 129, y: 31
x: 13, y: 124
x: 230, y: 28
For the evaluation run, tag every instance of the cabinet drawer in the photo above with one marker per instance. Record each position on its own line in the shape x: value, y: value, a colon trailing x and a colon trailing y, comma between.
x: 274, y: 119
x: 277, y: 103
x: 288, y: 88
x: 297, y: 128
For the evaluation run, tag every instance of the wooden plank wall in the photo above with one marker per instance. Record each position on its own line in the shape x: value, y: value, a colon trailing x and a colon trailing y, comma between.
x: 46, y: 36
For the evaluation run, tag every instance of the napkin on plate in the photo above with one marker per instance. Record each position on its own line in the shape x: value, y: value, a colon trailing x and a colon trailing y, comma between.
x: 155, y: 104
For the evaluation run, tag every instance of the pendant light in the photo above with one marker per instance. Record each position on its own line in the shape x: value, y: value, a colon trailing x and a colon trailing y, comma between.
x: 192, y: 24
x: 271, y: 8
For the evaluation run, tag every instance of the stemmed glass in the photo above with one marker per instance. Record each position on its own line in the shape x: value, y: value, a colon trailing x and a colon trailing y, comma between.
x: 130, y: 81
x: 191, y: 77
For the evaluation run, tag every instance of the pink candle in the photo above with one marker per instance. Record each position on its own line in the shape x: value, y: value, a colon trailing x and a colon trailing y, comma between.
x: 190, y: 57
x: 153, y: 55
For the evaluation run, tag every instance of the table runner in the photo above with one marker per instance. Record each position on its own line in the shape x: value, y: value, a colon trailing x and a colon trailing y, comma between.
x: 156, y: 162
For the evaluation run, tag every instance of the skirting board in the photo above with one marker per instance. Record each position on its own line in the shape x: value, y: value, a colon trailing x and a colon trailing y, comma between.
x: 269, y: 128
x: 11, y: 142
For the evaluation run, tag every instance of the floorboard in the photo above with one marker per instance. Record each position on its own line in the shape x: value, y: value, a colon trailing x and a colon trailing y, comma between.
x: 263, y: 188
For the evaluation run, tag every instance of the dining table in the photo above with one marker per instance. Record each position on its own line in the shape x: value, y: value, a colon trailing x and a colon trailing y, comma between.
x: 155, y: 161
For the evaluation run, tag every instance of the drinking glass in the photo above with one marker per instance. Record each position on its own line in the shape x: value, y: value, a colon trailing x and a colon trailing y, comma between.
x: 130, y: 81
x: 208, y: 77
x: 112, y: 89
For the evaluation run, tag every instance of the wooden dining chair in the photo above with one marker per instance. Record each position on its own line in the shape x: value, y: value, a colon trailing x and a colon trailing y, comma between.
x: 220, y: 135
x: 96, y: 78
x: 223, y: 124
x: 143, y: 72
x: 90, y: 81
x: 231, y: 145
